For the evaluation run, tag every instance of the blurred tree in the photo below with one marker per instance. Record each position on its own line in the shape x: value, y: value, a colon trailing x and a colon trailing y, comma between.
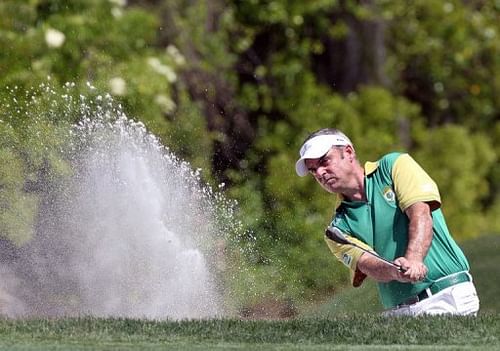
x: 445, y: 58
x: 52, y: 48
x: 203, y: 32
x: 235, y: 87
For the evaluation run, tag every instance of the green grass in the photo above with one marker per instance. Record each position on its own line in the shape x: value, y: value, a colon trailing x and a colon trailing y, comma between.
x: 356, y: 332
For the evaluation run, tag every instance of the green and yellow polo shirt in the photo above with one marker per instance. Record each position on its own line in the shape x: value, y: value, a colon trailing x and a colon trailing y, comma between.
x: 392, y: 184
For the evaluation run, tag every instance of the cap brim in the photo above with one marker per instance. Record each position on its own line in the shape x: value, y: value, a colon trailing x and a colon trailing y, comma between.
x: 316, y: 148
x: 300, y: 168
x: 312, y: 153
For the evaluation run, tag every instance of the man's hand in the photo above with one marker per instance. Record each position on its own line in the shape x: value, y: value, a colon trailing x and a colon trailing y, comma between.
x: 416, y: 270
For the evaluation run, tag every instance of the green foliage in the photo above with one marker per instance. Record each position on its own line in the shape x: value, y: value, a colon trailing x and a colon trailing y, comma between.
x: 57, y: 56
x: 493, y: 200
x: 449, y: 53
x: 17, y: 208
x: 33, y: 136
x: 105, y: 44
x: 201, y: 74
x: 459, y: 162
x: 68, y: 40
x: 188, y: 135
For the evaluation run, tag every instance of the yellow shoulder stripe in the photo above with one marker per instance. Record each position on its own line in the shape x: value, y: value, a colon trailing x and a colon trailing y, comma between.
x: 370, y: 167
x: 412, y: 184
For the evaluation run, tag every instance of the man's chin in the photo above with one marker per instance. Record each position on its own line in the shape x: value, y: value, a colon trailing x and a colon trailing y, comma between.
x: 329, y: 188
x: 330, y: 185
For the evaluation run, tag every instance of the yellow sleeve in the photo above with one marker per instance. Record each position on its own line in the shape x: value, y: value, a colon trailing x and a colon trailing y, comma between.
x: 412, y: 184
x: 349, y: 256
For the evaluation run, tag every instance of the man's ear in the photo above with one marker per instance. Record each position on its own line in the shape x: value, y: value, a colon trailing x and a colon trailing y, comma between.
x: 350, y: 153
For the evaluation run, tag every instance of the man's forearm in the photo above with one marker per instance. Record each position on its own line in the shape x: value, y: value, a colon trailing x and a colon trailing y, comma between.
x: 419, y: 231
x: 378, y: 270
x: 419, y: 241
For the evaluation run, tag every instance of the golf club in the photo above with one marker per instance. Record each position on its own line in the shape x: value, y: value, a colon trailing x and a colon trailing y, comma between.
x: 336, y: 235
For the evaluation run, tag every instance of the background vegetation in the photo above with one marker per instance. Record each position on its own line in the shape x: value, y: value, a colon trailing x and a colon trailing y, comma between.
x: 235, y: 86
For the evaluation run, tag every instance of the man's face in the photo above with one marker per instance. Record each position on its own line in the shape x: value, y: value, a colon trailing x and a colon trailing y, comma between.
x: 332, y: 170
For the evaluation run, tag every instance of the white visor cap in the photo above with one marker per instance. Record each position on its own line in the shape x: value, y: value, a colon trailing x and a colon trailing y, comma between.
x: 317, y: 147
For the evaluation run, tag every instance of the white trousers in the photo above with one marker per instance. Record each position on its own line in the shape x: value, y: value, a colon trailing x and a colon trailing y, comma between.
x: 459, y: 299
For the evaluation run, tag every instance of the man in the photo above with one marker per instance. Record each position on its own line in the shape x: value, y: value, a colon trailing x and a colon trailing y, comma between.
x: 391, y: 207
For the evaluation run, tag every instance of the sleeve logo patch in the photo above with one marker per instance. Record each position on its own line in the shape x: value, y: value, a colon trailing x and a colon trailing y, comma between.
x: 389, y: 195
x: 347, y: 259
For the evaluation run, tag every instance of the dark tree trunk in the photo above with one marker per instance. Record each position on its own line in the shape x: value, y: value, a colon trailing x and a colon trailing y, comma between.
x: 357, y: 58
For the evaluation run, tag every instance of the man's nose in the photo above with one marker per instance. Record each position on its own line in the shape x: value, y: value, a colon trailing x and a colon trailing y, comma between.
x: 319, y: 172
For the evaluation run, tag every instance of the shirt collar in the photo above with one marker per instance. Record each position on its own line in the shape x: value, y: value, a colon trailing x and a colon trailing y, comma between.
x: 370, y: 167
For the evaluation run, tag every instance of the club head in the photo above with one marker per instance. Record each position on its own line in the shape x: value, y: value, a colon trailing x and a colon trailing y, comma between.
x: 336, y: 235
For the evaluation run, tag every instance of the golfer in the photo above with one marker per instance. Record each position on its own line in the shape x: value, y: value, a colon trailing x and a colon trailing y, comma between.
x: 391, y: 207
